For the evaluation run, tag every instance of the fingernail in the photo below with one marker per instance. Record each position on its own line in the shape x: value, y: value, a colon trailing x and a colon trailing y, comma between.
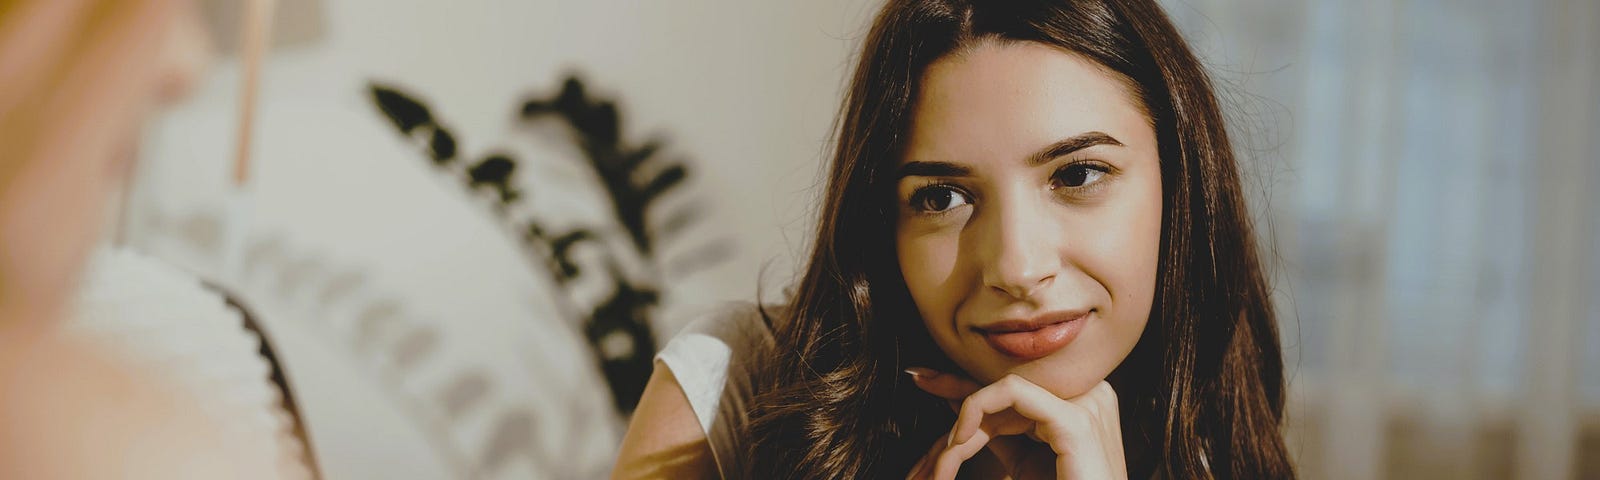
x: 922, y: 373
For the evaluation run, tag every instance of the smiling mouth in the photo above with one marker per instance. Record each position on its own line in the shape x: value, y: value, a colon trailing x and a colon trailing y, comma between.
x: 1028, y: 339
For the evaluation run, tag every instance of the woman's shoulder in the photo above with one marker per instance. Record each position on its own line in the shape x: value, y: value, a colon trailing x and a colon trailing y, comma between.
x: 741, y: 326
x: 717, y: 354
x: 716, y: 359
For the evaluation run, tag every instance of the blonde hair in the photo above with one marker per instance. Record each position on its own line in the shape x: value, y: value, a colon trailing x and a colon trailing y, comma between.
x: 71, y: 65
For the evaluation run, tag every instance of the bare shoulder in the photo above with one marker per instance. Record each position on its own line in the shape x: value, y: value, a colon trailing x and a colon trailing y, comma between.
x: 664, y: 439
x: 86, y: 415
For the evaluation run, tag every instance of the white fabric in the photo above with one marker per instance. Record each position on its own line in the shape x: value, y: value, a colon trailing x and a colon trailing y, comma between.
x: 163, y: 320
x: 714, y: 360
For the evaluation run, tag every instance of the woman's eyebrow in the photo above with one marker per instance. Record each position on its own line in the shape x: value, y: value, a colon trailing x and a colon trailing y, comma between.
x: 1071, y: 144
x: 1055, y: 150
x: 932, y: 169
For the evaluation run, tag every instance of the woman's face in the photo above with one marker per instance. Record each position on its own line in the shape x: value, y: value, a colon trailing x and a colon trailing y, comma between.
x: 1030, y: 214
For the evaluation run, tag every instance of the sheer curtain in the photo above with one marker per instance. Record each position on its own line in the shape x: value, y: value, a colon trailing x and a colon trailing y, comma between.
x: 1423, y: 170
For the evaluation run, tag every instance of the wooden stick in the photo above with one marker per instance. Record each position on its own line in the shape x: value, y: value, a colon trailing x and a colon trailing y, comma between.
x: 256, y: 28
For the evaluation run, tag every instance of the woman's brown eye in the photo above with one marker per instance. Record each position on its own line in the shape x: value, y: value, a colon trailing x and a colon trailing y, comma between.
x: 1077, y: 175
x: 938, y: 199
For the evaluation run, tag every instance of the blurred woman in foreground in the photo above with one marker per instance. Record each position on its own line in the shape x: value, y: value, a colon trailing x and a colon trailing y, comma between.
x: 77, y: 77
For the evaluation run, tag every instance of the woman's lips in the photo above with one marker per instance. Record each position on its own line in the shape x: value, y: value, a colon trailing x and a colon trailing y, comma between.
x: 1036, y: 337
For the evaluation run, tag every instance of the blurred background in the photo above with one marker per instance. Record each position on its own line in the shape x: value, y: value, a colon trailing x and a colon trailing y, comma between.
x: 472, y: 222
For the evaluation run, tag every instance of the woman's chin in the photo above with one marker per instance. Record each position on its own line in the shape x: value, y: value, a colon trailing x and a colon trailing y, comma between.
x: 1064, y: 379
x: 1065, y: 373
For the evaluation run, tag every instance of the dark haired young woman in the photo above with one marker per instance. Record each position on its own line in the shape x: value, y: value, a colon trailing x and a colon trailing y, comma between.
x: 1034, y: 261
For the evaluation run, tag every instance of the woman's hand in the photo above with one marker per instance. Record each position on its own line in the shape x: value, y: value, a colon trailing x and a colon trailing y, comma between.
x: 1074, y: 438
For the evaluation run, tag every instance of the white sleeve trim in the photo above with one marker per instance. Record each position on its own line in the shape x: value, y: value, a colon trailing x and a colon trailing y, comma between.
x: 700, y: 363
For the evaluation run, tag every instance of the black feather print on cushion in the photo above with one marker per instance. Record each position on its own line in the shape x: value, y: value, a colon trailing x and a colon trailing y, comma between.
x: 633, y: 177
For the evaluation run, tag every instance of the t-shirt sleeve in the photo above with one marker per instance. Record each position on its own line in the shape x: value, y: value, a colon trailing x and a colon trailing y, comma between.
x: 714, y: 359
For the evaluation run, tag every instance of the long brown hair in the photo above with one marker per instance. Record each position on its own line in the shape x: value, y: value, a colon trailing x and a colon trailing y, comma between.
x: 1202, y: 392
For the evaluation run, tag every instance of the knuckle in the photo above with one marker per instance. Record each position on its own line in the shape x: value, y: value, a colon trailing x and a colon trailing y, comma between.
x: 1011, y: 381
x: 970, y: 406
x: 1077, y: 417
x: 1107, y: 398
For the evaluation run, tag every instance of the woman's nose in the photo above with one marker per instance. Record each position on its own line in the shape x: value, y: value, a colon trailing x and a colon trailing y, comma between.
x: 1023, y: 251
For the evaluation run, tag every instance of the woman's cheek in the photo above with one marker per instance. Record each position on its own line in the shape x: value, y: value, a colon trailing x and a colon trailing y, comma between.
x: 1127, y: 255
x: 928, y: 264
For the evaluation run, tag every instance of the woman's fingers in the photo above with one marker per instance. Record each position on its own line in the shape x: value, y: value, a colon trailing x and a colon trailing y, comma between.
x: 1030, y: 401
x: 1101, y: 401
x: 948, y: 463
x: 1084, y: 432
x: 1011, y: 406
x: 922, y: 468
x: 949, y: 386
x: 1000, y: 434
